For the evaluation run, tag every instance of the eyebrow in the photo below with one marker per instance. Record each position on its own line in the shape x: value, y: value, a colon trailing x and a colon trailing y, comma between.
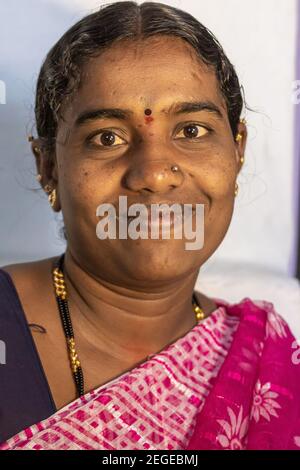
x: 194, y: 107
x: 123, y: 114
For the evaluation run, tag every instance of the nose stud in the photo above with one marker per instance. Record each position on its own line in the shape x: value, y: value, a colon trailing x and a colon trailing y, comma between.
x: 174, y: 168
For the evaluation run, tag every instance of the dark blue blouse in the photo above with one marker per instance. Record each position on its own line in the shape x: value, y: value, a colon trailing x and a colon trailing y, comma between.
x: 25, y: 396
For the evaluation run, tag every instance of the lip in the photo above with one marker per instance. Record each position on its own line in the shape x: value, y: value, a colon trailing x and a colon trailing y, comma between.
x: 167, y: 225
x: 149, y: 206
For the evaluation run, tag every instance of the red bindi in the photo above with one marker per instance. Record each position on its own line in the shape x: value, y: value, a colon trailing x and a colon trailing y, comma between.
x: 148, y: 118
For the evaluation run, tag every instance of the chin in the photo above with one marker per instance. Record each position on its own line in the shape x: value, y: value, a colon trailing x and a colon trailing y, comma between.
x: 159, y: 263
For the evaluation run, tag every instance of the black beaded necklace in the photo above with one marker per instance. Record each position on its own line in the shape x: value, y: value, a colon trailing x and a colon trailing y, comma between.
x: 62, y: 302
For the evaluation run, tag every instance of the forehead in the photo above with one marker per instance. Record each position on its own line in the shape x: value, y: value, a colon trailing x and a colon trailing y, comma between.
x: 152, y: 72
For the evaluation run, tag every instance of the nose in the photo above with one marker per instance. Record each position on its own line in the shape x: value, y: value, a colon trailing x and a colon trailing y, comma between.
x: 155, y: 176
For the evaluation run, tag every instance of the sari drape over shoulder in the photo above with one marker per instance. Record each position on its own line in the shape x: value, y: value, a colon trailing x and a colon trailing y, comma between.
x: 231, y: 382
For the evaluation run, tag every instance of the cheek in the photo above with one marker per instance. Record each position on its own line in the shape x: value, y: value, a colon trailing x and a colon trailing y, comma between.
x: 85, y: 185
x: 218, y: 175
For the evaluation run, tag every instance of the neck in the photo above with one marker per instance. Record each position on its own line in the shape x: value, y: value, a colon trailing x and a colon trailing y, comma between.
x: 124, y: 322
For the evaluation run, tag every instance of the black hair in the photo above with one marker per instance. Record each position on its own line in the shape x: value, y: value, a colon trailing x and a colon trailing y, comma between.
x: 60, y: 73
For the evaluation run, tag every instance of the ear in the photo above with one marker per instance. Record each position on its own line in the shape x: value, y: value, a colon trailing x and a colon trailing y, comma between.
x: 240, y: 143
x: 46, y: 166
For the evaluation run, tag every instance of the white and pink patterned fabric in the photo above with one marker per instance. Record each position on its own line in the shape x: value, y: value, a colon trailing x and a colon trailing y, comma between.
x: 231, y: 382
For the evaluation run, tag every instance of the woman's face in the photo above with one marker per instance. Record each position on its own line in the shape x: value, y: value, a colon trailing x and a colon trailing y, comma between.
x: 99, y: 159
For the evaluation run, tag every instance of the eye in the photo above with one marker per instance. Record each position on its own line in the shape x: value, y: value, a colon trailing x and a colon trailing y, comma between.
x: 105, y: 138
x: 194, y: 131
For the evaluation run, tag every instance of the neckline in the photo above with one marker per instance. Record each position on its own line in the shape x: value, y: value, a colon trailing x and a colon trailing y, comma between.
x: 220, y: 304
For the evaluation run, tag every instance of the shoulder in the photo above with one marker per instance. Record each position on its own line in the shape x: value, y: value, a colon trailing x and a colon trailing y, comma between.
x: 276, y: 325
x: 25, y: 273
x: 31, y: 281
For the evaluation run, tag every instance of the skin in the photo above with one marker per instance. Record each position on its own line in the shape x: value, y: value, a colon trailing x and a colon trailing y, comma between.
x: 122, y: 311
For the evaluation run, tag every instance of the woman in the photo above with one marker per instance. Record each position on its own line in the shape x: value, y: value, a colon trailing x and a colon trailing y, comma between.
x: 139, y: 101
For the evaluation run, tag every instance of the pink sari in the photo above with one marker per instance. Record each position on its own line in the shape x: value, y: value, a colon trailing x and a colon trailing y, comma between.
x: 231, y: 382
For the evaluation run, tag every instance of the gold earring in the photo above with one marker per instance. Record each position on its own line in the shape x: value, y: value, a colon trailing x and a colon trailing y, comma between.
x: 52, y: 197
x: 239, y: 136
x: 236, y: 189
x: 242, y: 160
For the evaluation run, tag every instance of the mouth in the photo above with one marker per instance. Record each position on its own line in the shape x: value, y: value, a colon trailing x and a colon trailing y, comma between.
x: 159, y: 221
